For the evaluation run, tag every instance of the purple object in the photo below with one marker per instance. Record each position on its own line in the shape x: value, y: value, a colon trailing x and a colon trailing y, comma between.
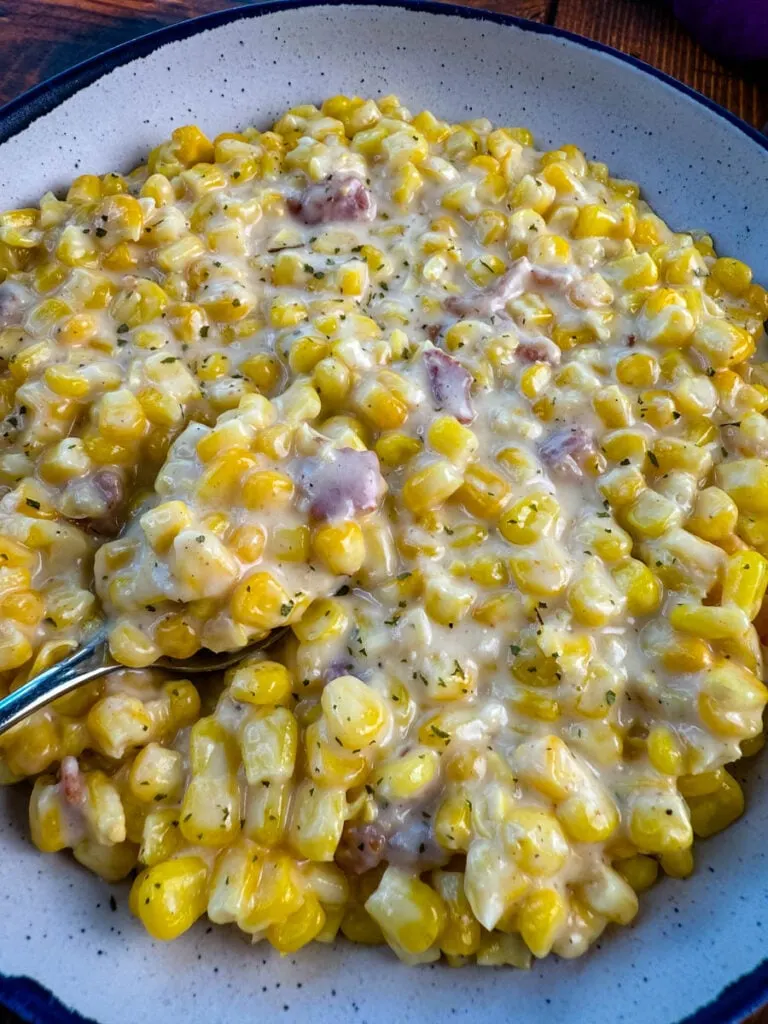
x: 729, y: 28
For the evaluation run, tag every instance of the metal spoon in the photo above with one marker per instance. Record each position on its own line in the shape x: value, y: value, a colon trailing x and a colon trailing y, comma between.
x: 94, y: 660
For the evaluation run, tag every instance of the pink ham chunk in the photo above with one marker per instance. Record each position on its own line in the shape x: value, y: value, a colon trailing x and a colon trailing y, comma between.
x: 521, y: 277
x: 340, y: 197
x: 538, y: 350
x: 342, y: 483
x: 361, y: 847
x: 564, y: 450
x: 493, y: 299
x: 449, y: 382
x: 71, y: 782
x: 106, y: 488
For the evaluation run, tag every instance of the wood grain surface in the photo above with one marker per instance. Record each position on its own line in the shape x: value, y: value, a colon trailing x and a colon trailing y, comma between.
x: 39, y: 38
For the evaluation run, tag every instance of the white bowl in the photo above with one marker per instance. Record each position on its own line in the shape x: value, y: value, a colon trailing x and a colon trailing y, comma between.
x: 701, y: 168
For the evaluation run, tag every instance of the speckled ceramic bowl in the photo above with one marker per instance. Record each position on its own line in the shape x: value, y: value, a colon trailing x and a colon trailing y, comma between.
x: 696, y: 951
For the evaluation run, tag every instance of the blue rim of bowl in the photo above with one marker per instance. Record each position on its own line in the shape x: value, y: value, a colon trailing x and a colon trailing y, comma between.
x: 749, y: 992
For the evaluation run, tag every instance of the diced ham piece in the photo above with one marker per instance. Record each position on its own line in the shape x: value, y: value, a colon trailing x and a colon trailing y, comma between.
x: 341, y: 483
x: 564, y: 450
x: 414, y: 845
x: 493, y: 299
x: 71, y: 780
x: 539, y: 350
x: 449, y: 382
x: 13, y: 300
x: 361, y: 847
x: 521, y: 277
x: 107, y: 488
x: 554, y: 275
x: 340, y: 197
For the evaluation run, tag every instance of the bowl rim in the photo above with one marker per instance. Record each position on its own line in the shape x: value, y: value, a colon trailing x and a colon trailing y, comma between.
x: 745, y: 994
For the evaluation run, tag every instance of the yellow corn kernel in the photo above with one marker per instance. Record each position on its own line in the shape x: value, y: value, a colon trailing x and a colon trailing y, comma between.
x: 430, y: 487
x: 665, y: 751
x: 128, y: 645
x: 176, y: 637
x: 540, y: 570
x: 453, y: 821
x: 714, y: 811
x: 590, y: 816
x: 530, y: 519
x: 408, y: 776
x: 169, y: 897
x: 384, y: 409
x: 325, y: 619
x: 722, y: 343
x: 260, y: 682
x: 746, y: 482
x: 317, y: 818
x: 714, y: 515
x: 340, y: 546
x: 639, y: 871
x: 461, y: 935
x: 745, y: 582
x: 303, y: 926
x: 593, y: 601
x: 709, y: 622
x: 156, y: 774
x: 121, y: 417
x: 535, y: 841
x: 483, y: 491
x: 396, y: 449
x: 540, y: 919
x: 678, y: 864
x: 357, y: 714
x: 162, y: 524
x: 275, y: 898
x: 651, y: 514
x: 328, y: 762
x: 268, y: 744
x: 622, y: 485
x: 447, y: 601
x: 410, y: 913
x: 261, y: 601
x: 267, y: 489
x: 493, y: 883
x: 733, y: 275
x: 659, y: 822
x: 731, y: 701
x: 448, y: 437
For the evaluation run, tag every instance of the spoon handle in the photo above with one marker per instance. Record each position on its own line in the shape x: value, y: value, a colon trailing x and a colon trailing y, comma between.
x: 55, y: 681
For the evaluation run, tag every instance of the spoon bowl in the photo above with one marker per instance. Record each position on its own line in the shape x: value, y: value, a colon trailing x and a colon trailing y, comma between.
x: 93, y: 660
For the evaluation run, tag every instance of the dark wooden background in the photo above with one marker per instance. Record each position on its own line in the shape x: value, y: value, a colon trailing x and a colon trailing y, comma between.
x: 38, y: 38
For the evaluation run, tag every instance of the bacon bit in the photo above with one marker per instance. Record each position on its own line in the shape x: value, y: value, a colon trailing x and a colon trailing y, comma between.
x: 539, y: 350
x: 341, y: 483
x: 449, y: 382
x: 432, y: 331
x: 631, y: 339
x: 339, y: 197
x: 72, y: 783
x: 361, y: 847
x: 563, y: 450
x: 493, y: 299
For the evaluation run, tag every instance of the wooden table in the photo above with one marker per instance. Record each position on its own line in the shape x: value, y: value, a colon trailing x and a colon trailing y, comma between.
x: 41, y: 37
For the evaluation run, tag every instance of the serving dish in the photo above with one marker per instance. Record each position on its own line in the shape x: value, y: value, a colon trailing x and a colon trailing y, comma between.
x: 698, y: 170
